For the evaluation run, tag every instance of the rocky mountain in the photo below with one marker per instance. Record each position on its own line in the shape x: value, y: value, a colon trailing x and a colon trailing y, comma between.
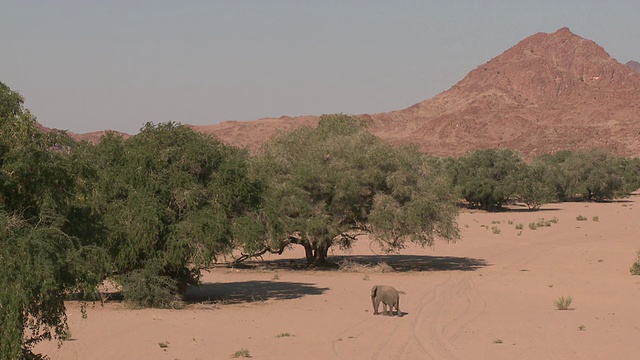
x: 549, y: 92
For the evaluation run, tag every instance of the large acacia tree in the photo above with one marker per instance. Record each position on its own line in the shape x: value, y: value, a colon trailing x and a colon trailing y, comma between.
x: 167, y: 199
x: 329, y: 183
x: 43, y: 256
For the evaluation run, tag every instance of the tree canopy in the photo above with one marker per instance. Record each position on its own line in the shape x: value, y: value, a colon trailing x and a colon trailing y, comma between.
x: 42, y: 256
x: 328, y: 183
x: 167, y: 198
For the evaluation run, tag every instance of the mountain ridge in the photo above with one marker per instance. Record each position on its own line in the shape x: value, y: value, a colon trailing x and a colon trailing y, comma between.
x: 549, y: 92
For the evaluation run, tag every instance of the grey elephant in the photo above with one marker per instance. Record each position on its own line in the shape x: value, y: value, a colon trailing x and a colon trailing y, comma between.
x: 388, y: 296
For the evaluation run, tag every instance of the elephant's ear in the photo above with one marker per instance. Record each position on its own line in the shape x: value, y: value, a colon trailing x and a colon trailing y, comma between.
x: 374, y: 290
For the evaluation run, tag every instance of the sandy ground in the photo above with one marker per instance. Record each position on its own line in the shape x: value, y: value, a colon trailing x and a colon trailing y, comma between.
x: 488, y: 296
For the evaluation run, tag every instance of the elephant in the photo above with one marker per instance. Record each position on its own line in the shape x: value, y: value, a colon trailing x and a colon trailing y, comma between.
x: 388, y: 296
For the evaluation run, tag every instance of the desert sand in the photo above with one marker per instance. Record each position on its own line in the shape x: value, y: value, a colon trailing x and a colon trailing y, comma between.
x: 488, y: 296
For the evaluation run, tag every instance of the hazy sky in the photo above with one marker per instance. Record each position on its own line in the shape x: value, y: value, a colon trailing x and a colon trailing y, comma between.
x: 86, y: 65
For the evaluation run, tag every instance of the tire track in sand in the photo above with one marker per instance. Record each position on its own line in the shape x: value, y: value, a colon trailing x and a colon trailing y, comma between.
x: 444, y: 313
x: 427, y: 332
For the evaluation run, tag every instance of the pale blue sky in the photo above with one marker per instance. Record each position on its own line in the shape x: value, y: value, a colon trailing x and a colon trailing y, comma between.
x: 86, y: 65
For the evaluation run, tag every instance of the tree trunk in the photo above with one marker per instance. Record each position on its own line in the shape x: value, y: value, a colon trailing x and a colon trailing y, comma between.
x: 316, y: 254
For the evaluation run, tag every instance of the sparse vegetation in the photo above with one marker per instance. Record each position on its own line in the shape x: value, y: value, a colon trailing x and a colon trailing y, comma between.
x: 66, y: 334
x: 582, y: 328
x: 563, y: 303
x: 285, y: 334
x: 163, y: 344
x: 635, y: 268
x: 348, y: 265
x: 242, y: 353
x: 158, y: 207
x: 497, y: 341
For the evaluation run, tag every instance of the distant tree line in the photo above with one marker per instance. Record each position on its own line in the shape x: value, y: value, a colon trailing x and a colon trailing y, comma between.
x: 489, y: 179
x: 154, y: 210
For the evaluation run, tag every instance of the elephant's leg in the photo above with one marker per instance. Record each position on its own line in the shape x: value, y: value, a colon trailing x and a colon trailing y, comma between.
x: 386, y: 312
x: 398, y: 308
x: 376, y: 306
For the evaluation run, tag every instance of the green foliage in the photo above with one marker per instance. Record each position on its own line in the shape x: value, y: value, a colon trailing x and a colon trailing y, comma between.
x: 581, y: 218
x: 43, y: 258
x: 167, y: 200
x: 532, y: 186
x: 593, y: 174
x: 329, y: 181
x: 149, y: 288
x: 487, y: 178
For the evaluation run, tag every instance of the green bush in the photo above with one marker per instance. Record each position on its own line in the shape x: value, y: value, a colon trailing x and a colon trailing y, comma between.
x: 487, y: 178
x: 148, y: 288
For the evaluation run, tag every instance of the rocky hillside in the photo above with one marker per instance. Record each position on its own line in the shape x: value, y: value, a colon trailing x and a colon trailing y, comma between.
x: 549, y: 92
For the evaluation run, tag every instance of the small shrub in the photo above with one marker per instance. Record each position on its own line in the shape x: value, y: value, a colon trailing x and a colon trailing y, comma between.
x: 496, y: 222
x: 495, y: 230
x: 581, y: 218
x: 497, y: 341
x: 635, y: 268
x: 595, y: 218
x: 581, y: 328
x: 533, y: 226
x: 554, y: 220
x: 366, y: 277
x: 510, y: 222
x: 285, y: 334
x: 563, y: 303
x: 66, y: 334
x: 519, y: 233
x: 352, y: 266
x: 241, y: 353
x: 519, y: 227
x: 163, y: 344
x: 275, y: 277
